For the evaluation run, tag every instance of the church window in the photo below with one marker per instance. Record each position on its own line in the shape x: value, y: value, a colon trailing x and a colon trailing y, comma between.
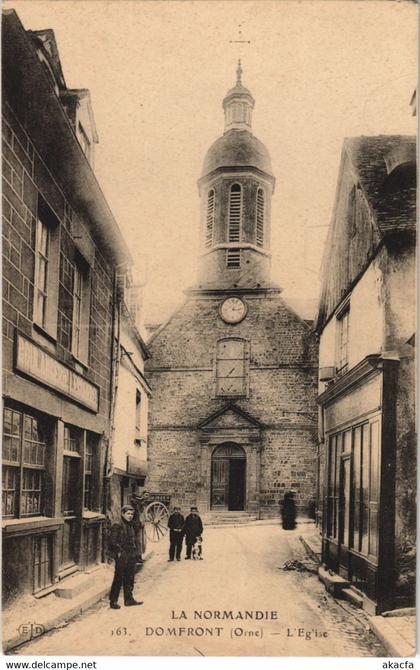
x: 260, y: 218
x: 233, y: 258
x: 232, y: 367
x: 210, y: 219
x: 235, y: 213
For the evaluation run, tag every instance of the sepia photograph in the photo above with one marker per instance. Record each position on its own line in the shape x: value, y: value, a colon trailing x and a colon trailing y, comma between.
x: 209, y: 316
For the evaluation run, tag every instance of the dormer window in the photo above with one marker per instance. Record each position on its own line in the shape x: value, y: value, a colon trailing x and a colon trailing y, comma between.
x: 235, y: 213
x: 260, y: 218
x: 343, y: 320
x: 84, y: 141
x: 210, y: 218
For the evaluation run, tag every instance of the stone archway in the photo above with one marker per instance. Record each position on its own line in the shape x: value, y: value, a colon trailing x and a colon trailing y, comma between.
x: 228, y: 477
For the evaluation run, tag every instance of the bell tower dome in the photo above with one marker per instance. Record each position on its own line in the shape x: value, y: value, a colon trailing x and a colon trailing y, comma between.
x: 235, y: 188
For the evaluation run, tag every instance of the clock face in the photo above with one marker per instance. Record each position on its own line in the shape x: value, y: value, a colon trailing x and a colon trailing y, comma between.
x: 233, y: 310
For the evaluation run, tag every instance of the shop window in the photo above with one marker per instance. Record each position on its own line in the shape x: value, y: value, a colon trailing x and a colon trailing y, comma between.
x: 88, y: 484
x: 231, y: 367
x: 24, y: 464
x: 71, y: 470
x: 353, y: 488
x: 70, y: 441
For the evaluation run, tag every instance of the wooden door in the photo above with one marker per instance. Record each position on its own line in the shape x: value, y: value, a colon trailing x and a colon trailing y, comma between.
x: 237, y: 468
x: 69, y: 506
x: 344, y: 517
x: 220, y: 483
x: 42, y: 562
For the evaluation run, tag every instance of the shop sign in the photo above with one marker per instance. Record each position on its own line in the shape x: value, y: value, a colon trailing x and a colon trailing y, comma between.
x: 135, y: 466
x: 42, y: 366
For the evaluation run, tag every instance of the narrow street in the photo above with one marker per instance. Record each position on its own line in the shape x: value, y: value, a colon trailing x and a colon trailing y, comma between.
x: 186, y: 604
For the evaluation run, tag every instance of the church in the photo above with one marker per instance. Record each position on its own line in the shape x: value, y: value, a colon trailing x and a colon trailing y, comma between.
x: 233, y: 372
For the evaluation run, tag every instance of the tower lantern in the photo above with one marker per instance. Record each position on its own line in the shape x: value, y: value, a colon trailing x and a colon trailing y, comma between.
x: 238, y: 105
x: 235, y: 189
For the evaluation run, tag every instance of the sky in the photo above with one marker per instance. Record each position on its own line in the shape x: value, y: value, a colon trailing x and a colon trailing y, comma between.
x: 319, y: 70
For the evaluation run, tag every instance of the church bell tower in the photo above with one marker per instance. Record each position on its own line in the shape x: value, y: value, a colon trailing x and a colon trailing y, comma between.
x: 235, y: 189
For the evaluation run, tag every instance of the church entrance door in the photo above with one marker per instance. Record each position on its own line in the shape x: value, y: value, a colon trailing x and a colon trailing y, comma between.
x: 228, y: 476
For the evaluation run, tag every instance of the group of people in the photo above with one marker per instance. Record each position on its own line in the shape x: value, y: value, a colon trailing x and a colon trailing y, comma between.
x: 125, y: 546
x: 191, y: 528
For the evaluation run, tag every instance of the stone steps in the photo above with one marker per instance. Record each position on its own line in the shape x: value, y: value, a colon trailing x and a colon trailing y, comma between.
x: 227, y: 518
x: 73, y: 586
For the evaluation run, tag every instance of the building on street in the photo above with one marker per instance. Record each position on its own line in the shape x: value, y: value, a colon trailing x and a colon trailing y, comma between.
x: 61, y: 249
x: 366, y: 324
x: 127, y: 462
x: 232, y: 420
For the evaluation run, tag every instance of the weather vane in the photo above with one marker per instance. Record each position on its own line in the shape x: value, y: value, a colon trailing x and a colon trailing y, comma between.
x: 239, y: 41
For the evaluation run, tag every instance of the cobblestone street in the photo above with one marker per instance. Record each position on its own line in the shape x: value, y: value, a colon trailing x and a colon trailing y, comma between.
x: 185, y: 606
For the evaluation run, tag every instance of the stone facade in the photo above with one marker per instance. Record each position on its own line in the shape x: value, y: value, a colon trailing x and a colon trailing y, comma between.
x: 281, y: 397
x: 232, y: 421
x: 58, y: 304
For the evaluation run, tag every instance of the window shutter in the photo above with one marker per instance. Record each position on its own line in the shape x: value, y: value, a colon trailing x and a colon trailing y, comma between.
x: 233, y: 258
x: 260, y: 218
x: 210, y: 219
x: 235, y: 213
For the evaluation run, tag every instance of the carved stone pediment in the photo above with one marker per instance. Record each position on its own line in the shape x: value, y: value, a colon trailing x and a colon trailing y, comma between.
x: 232, y: 418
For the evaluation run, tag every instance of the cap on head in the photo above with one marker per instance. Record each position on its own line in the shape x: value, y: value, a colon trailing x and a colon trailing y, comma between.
x: 194, y: 509
x: 127, y: 508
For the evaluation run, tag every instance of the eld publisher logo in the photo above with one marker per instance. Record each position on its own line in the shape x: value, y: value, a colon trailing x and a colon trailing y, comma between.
x: 31, y: 629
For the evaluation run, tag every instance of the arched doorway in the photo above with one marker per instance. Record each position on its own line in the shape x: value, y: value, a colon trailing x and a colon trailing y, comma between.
x: 228, y: 477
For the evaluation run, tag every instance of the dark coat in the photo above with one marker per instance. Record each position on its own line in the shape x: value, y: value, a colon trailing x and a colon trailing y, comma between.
x: 122, y: 539
x: 176, y: 521
x: 193, y: 526
x: 288, y: 512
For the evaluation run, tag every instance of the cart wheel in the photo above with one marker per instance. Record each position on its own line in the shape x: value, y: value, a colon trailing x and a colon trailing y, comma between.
x: 156, y: 521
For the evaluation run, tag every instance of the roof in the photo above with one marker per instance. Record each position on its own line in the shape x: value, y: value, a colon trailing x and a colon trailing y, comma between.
x: 28, y: 89
x: 383, y: 169
x: 237, y: 148
x: 371, y: 158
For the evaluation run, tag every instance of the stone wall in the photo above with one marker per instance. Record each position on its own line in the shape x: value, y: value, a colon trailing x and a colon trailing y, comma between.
x: 282, y: 391
x: 24, y: 177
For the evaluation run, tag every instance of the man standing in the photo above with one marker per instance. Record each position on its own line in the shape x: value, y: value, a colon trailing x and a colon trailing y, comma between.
x: 176, y: 533
x: 193, y: 527
x: 123, y: 548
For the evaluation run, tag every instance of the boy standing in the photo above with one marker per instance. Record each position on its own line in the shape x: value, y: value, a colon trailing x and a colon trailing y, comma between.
x: 193, y: 527
x: 123, y: 548
x: 176, y: 534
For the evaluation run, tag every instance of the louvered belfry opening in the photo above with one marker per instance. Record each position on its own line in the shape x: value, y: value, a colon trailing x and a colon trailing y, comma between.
x: 233, y: 258
x: 235, y: 213
x: 260, y: 218
x: 210, y: 218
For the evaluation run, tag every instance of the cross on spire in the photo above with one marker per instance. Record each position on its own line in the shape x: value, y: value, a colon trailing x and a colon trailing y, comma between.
x: 240, y: 40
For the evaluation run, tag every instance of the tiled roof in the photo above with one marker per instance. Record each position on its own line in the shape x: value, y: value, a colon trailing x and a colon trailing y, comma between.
x: 372, y: 159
